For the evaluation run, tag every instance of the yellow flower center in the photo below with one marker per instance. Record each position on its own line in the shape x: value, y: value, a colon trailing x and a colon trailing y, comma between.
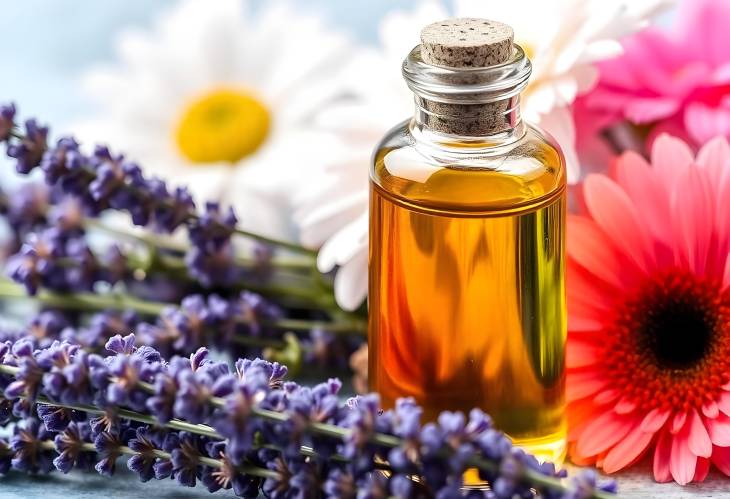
x: 223, y: 125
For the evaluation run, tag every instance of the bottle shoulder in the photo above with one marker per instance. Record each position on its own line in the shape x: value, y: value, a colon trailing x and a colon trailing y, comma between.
x: 468, y: 177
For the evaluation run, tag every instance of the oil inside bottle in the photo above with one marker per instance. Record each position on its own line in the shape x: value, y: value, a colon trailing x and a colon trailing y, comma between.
x: 467, y: 304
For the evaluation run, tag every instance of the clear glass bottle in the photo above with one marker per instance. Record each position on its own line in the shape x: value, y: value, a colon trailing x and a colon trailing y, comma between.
x: 466, y: 264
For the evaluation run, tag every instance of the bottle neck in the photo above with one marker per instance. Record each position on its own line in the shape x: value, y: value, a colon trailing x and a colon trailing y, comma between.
x: 467, y: 107
x: 468, y: 125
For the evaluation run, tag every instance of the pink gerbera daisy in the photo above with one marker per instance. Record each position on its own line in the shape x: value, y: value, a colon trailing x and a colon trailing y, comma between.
x: 678, y: 79
x: 648, y: 356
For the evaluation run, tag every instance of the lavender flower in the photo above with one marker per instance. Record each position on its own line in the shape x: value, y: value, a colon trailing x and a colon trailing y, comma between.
x: 253, y: 416
x: 29, y: 453
x: 29, y: 151
x: 70, y: 447
x: 7, y: 121
x: 25, y: 208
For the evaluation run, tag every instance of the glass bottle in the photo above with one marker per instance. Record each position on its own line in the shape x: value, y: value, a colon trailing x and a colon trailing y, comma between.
x: 466, y: 264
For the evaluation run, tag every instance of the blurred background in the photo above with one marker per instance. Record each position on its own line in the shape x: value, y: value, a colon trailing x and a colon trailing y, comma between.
x: 47, y: 45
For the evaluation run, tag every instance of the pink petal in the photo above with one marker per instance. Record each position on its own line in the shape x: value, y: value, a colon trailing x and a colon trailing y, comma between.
x: 678, y: 422
x: 581, y: 385
x: 627, y: 451
x: 581, y: 353
x: 699, y: 441
x: 662, y: 457
x: 625, y: 406
x: 709, y: 409
x: 703, y: 468
x: 723, y: 402
x: 645, y: 110
x: 704, y: 122
x: 616, y: 214
x: 721, y: 459
x: 590, y: 247
x: 693, y: 215
x: 719, y: 430
x: 682, y: 462
x: 654, y: 420
x: 607, y: 396
x: 670, y: 157
x: 714, y: 157
x: 643, y: 186
x: 603, y: 433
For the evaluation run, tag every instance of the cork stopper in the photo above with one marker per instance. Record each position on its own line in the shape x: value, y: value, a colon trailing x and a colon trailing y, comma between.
x: 466, y: 42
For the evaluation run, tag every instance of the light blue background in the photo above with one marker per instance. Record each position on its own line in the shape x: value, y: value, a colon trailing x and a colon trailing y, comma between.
x: 45, y: 45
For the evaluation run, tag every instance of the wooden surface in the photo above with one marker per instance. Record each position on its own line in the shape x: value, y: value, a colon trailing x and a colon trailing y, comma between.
x: 638, y: 483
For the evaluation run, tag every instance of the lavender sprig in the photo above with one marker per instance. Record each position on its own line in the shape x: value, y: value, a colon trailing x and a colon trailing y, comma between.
x: 105, y: 180
x: 255, y: 405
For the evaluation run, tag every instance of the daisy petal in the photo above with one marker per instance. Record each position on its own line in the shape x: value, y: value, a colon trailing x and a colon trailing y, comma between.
x: 699, y: 440
x: 628, y: 450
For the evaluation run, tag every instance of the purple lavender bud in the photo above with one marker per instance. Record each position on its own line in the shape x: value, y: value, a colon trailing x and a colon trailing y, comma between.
x: 29, y: 151
x: 172, y: 210
x: 162, y: 402
x: 46, y: 326
x: 69, y: 445
x: 373, y: 486
x: 7, y: 120
x: 108, y: 449
x: 193, y: 397
x: 214, y: 267
x: 255, y: 310
x: 28, y: 455
x: 185, y: 458
x: 67, y: 214
x: 121, y: 344
x: 56, y: 418
x: 25, y: 208
x: 5, y: 457
x: 340, y: 484
x: 58, y: 161
x: 143, y: 463
x: 162, y: 469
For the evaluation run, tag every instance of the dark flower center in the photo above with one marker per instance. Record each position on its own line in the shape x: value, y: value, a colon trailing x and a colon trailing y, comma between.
x: 678, y: 331
x: 669, y: 343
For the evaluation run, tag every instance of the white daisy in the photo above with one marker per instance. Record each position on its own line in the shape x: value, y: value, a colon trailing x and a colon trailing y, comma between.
x: 563, y: 39
x: 220, y: 100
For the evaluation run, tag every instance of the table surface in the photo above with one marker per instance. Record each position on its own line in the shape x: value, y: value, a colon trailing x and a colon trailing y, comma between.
x: 636, y: 483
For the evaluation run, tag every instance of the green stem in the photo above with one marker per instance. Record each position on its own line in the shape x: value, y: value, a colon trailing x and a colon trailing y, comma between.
x: 120, y: 301
x: 168, y: 244
x: 161, y: 454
